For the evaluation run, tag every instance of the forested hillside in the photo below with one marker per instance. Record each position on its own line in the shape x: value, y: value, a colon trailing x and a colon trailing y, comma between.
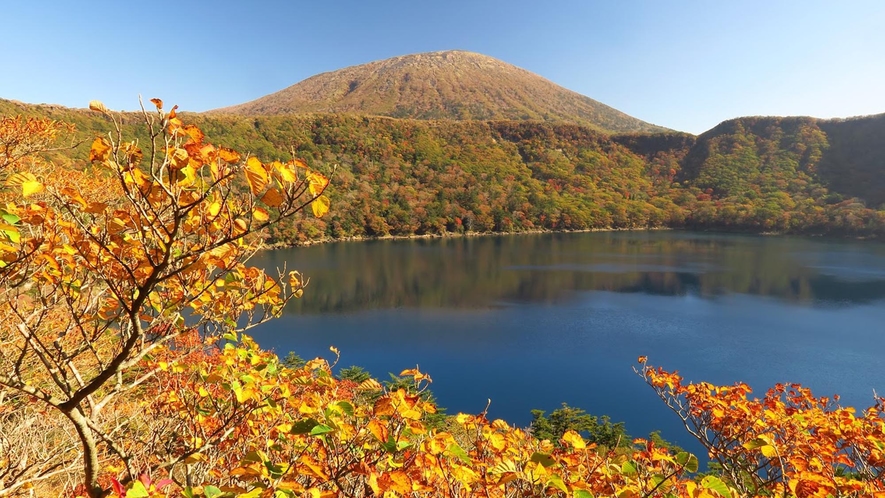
x: 415, y: 177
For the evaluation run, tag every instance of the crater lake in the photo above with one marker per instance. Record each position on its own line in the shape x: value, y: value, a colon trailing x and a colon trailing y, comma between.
x: 537, y: 320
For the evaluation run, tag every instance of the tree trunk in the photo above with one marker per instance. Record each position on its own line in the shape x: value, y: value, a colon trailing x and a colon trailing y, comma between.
x: 90, y: 452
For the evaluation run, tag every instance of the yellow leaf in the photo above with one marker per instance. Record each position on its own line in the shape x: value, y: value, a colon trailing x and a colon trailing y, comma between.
x: 260, y: 215
x: 96, y: 105
x: 769, y: 451
x: 497, y: 441
x: 286, y: 171
x: 100, y: 150
x: 255, y: 175
x: 574, y: 439
x: 214, y: 209
x: 31, y: 187
x: 188, y: 176
x: 320, y: 206
x: 318, y: 183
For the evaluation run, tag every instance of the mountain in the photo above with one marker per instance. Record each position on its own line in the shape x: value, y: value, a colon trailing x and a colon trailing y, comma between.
x: 441, y: 85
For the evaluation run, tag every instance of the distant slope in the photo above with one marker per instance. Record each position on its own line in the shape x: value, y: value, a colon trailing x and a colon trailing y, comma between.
x: 441, y: 85
x: 408, y: 176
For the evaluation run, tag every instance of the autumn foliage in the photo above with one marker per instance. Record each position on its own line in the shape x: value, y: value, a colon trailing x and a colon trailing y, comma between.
x: 125, y: 369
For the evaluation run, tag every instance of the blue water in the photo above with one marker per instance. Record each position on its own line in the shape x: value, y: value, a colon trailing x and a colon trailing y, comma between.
x: 532, y: 321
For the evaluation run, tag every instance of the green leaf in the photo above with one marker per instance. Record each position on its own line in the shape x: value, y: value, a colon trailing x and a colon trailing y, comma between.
x: 320, y: 429
x: 557, y: 483
x: 715, y: 484
x: 9, y: 218
x: 13, y: 235
x: 756, y: 443
x: 137, y: 491
x: 303, y: 426
x: 657, y: 479
x: 628, y: 469
x: 688, y: 461
x: 212, y: 492
x: 459, y: 452
x: 583, y: 494
x: 542, y: 458
x: 345, y: 407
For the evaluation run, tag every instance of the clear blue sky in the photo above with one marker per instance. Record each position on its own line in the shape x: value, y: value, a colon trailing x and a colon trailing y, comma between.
x: 685, y: 65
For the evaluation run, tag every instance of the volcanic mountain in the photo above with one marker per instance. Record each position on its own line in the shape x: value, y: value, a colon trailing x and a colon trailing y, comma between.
x: 441, y: 85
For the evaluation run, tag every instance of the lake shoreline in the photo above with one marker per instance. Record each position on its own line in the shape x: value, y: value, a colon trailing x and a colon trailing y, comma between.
x: 454, y: 235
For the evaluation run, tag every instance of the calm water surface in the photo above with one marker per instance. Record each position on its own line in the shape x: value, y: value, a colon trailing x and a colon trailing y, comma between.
x: 532, y: 321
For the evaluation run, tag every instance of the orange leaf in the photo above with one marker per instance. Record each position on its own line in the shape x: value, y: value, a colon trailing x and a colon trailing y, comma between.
x: 158, y: 103
x: 384, y: 407
x: 194, y: 133
x: 400, y: 482
x: 378, y: 430
x: 179, y: 158
x: 100, y: 150
x: 228, y: 156
x: 272, y: 198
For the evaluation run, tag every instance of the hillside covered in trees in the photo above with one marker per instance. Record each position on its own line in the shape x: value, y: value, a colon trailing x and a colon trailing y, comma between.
x: 405, y: 177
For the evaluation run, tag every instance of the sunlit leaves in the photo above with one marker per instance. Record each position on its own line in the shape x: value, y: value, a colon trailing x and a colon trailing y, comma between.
x: 317, y: 183
x: 120, y: 263
x: 320, y: 206
x: 787, y: 441
x: 100, y: 150
x: 256, y: 176
x: 26, y: 182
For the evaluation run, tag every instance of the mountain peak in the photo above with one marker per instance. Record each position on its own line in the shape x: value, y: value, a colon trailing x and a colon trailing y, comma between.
x: 449, y: 84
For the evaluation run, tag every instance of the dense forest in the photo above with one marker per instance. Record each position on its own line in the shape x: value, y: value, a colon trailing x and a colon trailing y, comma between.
x: 410, y: 177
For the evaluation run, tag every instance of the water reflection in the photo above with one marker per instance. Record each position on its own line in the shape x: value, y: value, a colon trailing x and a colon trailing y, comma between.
x: 480, y: 272
x: 532, y: 321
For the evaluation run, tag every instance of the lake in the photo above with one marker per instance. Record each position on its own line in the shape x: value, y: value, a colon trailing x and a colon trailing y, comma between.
x: 532, y: 321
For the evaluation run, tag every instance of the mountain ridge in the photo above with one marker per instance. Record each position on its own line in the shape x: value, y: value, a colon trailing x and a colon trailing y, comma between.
x: 451, y: 84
